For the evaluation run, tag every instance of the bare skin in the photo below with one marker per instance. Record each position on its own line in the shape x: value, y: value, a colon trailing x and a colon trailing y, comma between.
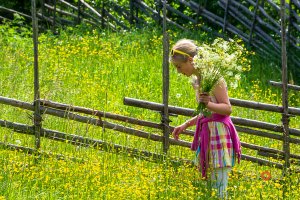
x: 223, y: 106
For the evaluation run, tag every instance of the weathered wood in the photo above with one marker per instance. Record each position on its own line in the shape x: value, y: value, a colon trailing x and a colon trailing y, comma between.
x: 37, y: 118
x: 261, y: 161
x: 190, y: 112
x: 296, y: 3
x: 4, y: 19
x: 97, y: 14
x: 108, y: 115
x: 88, y: 142
x: 81, y: 12
x: 290, y: 86
x: 115, y: 19
x: 126, y: 14
x: 247, y: 23
x: 166, y: 81
x: 277, y: 156
x: 263, y: 125
x: 217, y: 20
x: 146, y: 10
x: 153, y: 13
x: 14, y: 11
x: 98, y: 144
x: 276, y: 7
x: 173, y: 10
x: 262, y: 106
x: 285, y: 115
x: 151, y: 106
x: 226, y: 14
x: 111, y: 126
x: 265, y: 14
x: 68, y: 4
x: 264, y: 134
x: 54, y: 17
x: 268, y: 150
x: 60, y: 11
x: 253, y: 22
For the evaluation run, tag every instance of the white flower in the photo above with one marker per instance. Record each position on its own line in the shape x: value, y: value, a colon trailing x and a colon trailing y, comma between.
x: 237, y: 77
x: 229, y: 73
x: 234, y: 85
x: 18, y: 142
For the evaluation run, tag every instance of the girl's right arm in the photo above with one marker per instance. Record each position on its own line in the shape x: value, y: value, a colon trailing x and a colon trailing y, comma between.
x: 177, y: 130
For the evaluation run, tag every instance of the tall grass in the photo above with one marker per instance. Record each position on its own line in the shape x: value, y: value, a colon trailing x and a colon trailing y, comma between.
x: 97, y: 70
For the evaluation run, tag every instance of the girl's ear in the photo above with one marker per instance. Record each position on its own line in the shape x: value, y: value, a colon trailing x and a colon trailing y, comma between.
x: 190, y: 59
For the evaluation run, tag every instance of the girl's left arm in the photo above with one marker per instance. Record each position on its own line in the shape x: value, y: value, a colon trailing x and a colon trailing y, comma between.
x: 223, y: 106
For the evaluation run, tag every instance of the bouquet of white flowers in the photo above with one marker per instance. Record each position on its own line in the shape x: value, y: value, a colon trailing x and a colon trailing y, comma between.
x: 221, y: 60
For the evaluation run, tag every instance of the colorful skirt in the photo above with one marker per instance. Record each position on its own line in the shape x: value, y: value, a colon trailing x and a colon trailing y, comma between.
x: 221, y: 152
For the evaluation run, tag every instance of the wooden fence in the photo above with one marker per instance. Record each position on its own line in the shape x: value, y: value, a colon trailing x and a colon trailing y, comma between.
x: 41, y: 107
x: 97, y: 118
x: 256, y: 22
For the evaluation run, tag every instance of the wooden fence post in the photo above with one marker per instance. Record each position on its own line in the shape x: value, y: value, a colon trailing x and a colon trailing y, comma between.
x: 37, y: 119
x: 285, y: 115
x: 103, y: 15
x: 42, y: 2
x: 225, y: 15
x: 158, y: 9
x: 131, y: 12
x: 289, y: 24
x: 54, y: 16
x: 253, y: 22
x: 198, y: 15
x: 78, y: 12
x: 165, y: 115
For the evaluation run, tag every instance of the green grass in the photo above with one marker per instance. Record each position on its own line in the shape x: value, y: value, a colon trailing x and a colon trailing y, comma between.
x: 97, y: 70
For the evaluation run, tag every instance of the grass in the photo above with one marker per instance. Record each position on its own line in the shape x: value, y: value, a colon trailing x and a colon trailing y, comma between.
x: 97, y: 70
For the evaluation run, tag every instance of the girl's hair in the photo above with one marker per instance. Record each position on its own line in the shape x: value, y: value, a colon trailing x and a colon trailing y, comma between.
x: 187, y: 47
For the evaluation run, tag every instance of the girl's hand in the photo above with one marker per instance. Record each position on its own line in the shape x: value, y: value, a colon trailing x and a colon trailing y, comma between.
x: 204, y: 98
x: 177, y: 130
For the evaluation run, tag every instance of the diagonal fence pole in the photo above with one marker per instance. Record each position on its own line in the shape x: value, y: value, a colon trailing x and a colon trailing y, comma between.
x: 37, y: 112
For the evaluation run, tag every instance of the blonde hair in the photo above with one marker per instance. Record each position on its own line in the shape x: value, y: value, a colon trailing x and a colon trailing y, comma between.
x: 184, y: 45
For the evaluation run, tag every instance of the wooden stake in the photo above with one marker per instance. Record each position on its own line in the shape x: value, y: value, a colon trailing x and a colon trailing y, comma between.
x: 37, y: 113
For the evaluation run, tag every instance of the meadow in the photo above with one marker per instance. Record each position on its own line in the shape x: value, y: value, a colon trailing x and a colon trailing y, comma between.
x: 97, y: 69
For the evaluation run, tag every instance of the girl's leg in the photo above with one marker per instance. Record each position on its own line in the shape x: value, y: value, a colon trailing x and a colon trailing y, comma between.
x: 219, y: 179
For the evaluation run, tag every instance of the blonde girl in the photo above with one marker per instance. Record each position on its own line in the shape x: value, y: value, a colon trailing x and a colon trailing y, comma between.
x: 215, y: 141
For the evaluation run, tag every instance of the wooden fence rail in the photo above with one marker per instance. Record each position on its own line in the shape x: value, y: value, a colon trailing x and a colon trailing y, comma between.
x: 66, y: 111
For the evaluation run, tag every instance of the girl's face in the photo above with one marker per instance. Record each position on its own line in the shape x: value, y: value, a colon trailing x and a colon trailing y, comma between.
x: 185, y: 68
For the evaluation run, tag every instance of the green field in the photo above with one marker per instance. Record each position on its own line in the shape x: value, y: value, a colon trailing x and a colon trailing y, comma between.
x: 97, y: 70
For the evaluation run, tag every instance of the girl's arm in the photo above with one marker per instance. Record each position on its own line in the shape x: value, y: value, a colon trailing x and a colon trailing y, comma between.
x: 223, y: 106
x: 177, y: 130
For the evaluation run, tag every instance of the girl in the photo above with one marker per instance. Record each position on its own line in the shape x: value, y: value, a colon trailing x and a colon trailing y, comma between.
x: 215, y: 141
